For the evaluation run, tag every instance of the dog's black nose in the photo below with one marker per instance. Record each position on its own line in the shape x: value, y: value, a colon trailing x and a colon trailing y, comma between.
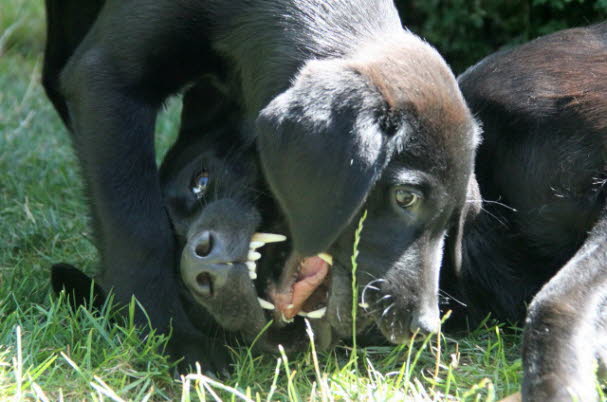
x: 205, y: 265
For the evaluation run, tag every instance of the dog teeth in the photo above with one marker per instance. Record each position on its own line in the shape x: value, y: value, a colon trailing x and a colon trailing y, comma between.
x: 326, y: 258
x: 320, y: 313
x: 253, y: 256
x: 267, y: 238
x: 254, y: 245
x: 285, y: 319
x: 266, y: 305
x: 252, y: 269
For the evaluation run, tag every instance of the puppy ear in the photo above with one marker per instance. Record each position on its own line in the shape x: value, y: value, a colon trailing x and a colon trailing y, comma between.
x: 321, y: 150
x: 81, y: 289
x: 469, y: 211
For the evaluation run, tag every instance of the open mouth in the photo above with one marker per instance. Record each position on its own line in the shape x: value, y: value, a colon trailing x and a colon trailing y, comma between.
x: 303, y: 286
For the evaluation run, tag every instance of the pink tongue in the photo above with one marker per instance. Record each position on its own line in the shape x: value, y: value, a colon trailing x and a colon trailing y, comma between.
x: 312, y: 273
x: 311, y: 266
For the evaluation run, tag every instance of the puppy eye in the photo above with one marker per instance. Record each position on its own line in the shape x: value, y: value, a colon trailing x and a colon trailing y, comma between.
x: 200, y: 184
x: 406, y: 199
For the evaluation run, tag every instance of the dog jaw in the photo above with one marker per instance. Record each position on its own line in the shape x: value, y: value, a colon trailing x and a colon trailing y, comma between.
x: 300, y: 280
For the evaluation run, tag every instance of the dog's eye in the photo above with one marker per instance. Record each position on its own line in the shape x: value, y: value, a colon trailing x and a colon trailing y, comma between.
x: 406, y: 199
x: 200, y: 184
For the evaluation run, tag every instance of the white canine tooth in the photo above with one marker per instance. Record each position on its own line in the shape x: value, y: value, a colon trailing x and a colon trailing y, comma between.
x: 254, y: 245
x: 268, y: 237
x: 251, y: 265
x: 253, y: 256
x: 326, y: 258
x: 320, y: 313
x: 265, y: 304
x: 253, y: 275
x: 285, y: 319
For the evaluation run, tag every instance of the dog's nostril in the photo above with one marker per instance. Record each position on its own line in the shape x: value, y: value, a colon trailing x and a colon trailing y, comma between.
x: 202, y: 250
x: 205, y: 284
x: 205, y: 245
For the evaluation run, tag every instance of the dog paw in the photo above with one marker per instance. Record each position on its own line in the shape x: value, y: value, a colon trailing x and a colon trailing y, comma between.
x: 212, y: 356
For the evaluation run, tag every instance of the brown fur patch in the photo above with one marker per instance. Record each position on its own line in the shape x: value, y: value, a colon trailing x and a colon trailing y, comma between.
x: 414, y: 79
x: 565, y: 72
x: 418, y: 86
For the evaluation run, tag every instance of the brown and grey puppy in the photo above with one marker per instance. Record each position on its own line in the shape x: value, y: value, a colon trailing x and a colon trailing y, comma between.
x: 350, y: 113
x: 401, y: 150
x: 541, y: 238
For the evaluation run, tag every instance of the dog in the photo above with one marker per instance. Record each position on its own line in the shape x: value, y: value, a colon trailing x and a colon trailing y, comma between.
x: 351, y: 116
x: 209, y: 185
x: 537, y: 252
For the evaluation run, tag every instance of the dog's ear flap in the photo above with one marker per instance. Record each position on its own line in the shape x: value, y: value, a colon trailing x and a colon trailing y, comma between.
x: 81, y: 290
x: 320, y: 163
x: 469, y: 211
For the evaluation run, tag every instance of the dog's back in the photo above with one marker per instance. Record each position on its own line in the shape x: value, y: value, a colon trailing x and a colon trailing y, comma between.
x: 67, y: 22
x: 540, y: 240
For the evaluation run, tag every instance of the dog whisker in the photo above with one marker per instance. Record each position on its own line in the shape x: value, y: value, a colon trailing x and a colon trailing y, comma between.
x: 387, y: 310
x: 369, y: 285
x: 501, y: 204
x: 501, y: 222
x: 448, y: 296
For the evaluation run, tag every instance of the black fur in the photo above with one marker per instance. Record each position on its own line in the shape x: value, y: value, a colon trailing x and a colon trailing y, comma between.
x: 81, y: 290
x: 348, y: 112
x: 541, y: 237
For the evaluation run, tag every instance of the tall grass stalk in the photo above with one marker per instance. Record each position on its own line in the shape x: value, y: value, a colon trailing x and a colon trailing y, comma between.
x: 357, y: 234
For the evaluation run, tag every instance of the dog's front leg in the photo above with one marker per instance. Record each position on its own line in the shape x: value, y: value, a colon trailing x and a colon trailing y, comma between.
x: 565, y: 329
x: 113, y: 137
x: 134, y: 56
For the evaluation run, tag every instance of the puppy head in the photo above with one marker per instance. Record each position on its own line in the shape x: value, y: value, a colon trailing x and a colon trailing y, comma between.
x: 208, y: 188
x: 384, y: 131
x: 212, y: 194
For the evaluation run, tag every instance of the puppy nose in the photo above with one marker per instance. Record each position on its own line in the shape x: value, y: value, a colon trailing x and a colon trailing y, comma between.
x: 425, y: 321
x: 205, y: 266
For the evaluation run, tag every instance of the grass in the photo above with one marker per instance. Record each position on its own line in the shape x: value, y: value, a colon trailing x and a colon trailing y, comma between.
x: 50, y: 352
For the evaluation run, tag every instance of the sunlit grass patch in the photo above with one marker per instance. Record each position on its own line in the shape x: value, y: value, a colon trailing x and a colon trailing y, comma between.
x: 49, y: 351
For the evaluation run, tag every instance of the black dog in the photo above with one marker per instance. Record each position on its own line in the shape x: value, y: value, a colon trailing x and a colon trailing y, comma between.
x: 211, y: 191
x: 350, y: 113
x: 215, y: 200
x: 542, y: 234
x: 209, y: 186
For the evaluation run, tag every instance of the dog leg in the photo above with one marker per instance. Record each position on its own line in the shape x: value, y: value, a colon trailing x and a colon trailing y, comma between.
x: 67, y: 22
x: 134, y: 56
x: 565, y: 327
